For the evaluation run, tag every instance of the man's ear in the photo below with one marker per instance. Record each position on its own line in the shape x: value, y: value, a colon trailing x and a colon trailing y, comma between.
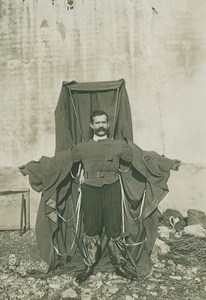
x: 91, y: 125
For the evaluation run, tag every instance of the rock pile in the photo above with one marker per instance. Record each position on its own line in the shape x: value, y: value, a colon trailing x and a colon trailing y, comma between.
x: 178, y: 268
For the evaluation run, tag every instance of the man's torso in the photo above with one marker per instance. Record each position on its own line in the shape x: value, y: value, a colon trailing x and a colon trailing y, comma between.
x: 100, y: 160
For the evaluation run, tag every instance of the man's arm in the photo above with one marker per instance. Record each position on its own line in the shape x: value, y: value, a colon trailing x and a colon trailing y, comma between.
x: 75, y: 154
x: 126, y: 153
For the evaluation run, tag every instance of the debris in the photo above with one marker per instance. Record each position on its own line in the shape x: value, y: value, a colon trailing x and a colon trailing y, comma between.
x: 165, y: 233
x: 175, y: 277
x: 54, y: 286
x: 195, y: 230
x: 179, y: 274
x: 113, y: 290
x: 69, y: 293
x: 161, y: 247
x: 195, y: 217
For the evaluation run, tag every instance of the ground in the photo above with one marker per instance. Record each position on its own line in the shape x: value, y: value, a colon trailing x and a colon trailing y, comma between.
x: 177, y: 274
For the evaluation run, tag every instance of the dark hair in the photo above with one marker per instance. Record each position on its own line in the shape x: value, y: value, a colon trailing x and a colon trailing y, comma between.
x: 98, y: 113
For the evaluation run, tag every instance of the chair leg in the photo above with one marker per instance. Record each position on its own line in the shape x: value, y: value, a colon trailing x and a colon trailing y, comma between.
x: 24, y: 212
x: 21, y: 216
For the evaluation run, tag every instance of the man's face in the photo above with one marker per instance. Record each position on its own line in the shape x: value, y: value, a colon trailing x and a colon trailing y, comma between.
x: 100, y: 125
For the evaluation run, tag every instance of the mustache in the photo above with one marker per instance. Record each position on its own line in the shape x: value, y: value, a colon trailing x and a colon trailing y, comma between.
x: 101, y: 129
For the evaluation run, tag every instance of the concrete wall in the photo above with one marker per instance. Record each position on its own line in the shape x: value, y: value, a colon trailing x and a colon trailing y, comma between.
x: 158, y: 46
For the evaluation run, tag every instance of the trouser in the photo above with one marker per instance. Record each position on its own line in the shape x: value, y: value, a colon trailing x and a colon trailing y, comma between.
x: 101, y: 207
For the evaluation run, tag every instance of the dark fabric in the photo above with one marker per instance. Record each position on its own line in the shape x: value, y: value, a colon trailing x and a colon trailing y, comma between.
x: 57, y: 215
x: 102, y: 207
x: 52, y: 231
x: 91, y: 250
x: 76, y: 103
x: 100, y: 159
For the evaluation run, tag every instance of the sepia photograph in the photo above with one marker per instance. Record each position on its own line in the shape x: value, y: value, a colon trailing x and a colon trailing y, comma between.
x: 103, y: 149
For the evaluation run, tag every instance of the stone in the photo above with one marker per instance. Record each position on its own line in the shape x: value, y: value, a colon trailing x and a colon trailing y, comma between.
x: 165, y: 232
x: 87, y: 291
x: 86, y: 297
x: 113, y: 290
x: 187, y: 278
x: 55, y: 286
x: 195, y: 217
x: 151, y: 287
x: 194, y: 270
x: 4, y: 276
x: 195, y: 230
x: 69, y: 293
x: 170, y: 262
x: 158, y: 275
x: 128, y: 297
x: 153, y: 294
x: 159, y: 265
x: 161, y: 247
x: 175, y: 277
x: 180, y: 268
x: 154, y: 256
x: 164, y: 289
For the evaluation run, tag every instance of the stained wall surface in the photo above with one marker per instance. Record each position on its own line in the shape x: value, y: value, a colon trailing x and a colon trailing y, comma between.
x: 157, y: 46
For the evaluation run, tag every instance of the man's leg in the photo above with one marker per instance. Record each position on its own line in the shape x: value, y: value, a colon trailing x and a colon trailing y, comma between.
x: 92, y: 220
x: 112, y: 216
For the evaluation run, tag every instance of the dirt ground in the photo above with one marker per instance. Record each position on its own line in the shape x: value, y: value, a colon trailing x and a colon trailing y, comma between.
x: 178, y: 274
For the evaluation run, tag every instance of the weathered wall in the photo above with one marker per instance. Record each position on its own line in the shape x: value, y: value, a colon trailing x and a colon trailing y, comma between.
x: 158, y: 46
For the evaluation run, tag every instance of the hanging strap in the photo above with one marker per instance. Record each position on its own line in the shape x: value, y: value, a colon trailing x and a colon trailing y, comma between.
x: 77, y: 211
x: 125, y: 211
x: 75, y: 112
x: 78, y: 172
x: 115, y: 113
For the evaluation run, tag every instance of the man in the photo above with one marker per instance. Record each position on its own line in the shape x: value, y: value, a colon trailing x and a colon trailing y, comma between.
x: 101, y: 196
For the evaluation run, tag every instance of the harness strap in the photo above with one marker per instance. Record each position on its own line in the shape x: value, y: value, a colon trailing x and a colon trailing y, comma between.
x: 78, y: 173
x: 77, y: 211
x: 125, y: 211
x: 115, y: 113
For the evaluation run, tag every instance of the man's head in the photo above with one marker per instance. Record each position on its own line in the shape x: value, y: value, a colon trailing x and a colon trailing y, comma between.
x: 99, y: 122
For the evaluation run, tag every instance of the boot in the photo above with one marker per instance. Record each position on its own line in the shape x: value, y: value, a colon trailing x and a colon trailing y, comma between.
x: 85, y: 274
x: 118, y: 256
x: 91, y: 251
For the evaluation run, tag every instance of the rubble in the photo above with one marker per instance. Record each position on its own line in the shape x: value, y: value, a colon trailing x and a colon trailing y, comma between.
x: 165, y: 232
x: 195, y: 217
x: 161, y: 247
x: 171, y: 277
x: 195, y: 230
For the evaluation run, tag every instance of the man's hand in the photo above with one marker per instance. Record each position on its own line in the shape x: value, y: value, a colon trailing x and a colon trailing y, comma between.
x: 23, y: 170
x: 176, y: 164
